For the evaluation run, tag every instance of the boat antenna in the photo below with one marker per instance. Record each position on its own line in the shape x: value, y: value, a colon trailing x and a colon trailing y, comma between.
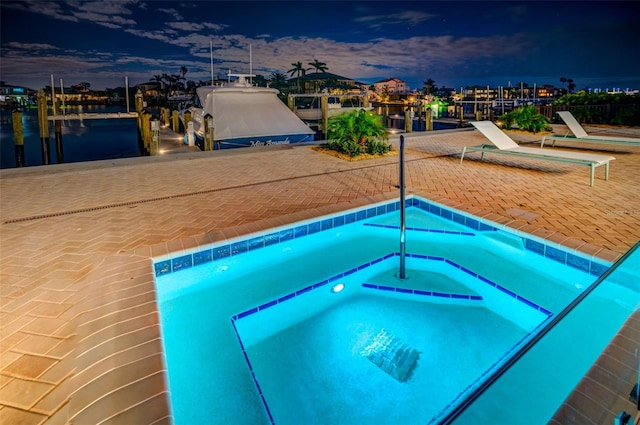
x: 211, y: 54
x: 250, y: 64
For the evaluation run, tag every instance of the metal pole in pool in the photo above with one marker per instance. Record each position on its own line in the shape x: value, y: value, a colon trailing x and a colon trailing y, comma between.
x: 402, y: 211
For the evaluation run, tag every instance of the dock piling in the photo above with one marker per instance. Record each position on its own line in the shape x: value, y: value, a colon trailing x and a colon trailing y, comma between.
x: 18, y: 135
x: 43, y: 124
x: 408, y: 121
x: 208, y: 132
x: 175, y: 121
x: 146, y: 131
x: 154, y: 147
x: 324, y: 105
x: 57, y: 125
x: 187, y: 120
x: 138, y: 104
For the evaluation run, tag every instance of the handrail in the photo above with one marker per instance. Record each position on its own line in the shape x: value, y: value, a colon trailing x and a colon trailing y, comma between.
x: 403, y: 227
x: 459, y: 409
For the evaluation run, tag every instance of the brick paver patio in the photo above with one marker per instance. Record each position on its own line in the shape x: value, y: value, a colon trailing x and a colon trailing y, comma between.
x: 79, y: 335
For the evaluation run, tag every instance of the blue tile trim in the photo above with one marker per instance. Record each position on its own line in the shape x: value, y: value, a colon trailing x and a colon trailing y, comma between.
x: 162, y: 267
x: 395, y: 289
x: 202, y: 257
x: 420, y: 229
x: 181, y: 263
x: 253, y: 375
x: 211, y: 254
x: 423, y: 293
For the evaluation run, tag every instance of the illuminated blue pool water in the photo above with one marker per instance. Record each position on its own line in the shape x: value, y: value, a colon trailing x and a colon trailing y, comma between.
x: 253, y: 332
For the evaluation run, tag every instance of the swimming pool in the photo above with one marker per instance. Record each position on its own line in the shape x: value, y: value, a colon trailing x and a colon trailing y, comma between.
x: 256, y: 329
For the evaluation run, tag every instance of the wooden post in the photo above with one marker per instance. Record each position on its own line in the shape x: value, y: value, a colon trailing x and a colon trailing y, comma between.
x: 187, y: 120
x: 291, y: 103
x: 154, y: 145
x: 166, y: 116
x: 461, y: 114
x: 324, y: 105
x: 139, y: 102
x: 175, y: 121
x: 58, y: 135
x: 365, y: 101
x: 139, y: 106
x: 408, y: 122
x: 18, y: 134
x: 57, y: 125
x: 146, y: 131
x: 428, y: 121
x: 43, y: 124
x: 208, y: 132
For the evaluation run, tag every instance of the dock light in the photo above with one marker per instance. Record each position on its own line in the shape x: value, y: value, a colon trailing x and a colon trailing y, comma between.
x: 337, y: 287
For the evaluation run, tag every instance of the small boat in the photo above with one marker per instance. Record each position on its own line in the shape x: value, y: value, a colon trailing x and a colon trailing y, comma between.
x: 245, y: 115
x: 308, y: 106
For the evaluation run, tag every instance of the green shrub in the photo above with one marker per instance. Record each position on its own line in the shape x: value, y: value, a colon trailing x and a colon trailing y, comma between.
x: 600, y: 98
x: 587, y: 115
x: 627, y: 117
x: 526, y: 119
x: 353, y: 133
x: 374, y: 147
x: 348, y: 147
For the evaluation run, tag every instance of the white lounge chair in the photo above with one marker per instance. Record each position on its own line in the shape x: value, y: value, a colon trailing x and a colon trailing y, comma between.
x: 503, y: 144
x: 579, y: 134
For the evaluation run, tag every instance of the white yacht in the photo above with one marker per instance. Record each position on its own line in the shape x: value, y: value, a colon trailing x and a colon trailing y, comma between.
x: 245, y: 115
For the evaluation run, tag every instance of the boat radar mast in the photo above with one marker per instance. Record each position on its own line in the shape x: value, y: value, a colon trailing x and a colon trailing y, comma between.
x: 243, y: 79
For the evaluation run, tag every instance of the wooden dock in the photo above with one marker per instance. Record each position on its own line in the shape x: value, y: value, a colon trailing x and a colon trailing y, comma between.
x: 172, y: 142
x: 92, y: 116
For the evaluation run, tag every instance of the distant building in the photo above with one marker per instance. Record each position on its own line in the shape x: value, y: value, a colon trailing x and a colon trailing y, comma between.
x: 13, y: 95
x: 151, y: 88
x: 546, y: 91
x: 316, y: 82
x: 391, y: 86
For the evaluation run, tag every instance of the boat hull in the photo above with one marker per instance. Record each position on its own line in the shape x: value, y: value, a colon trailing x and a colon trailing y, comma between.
x: 254, y: 142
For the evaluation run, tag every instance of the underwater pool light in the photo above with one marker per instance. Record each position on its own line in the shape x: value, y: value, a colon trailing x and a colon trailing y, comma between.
x: 337, y: 287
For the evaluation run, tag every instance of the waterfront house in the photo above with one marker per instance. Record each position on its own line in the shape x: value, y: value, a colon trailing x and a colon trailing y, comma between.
x: 11, y: 96
x: 391, y: 86
x: 318, y: 81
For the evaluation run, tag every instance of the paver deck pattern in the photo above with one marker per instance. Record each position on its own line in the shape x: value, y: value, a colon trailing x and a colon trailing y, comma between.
x: 79, y: 330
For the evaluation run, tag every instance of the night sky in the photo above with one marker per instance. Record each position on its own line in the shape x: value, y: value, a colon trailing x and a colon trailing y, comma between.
x: 455, y: 43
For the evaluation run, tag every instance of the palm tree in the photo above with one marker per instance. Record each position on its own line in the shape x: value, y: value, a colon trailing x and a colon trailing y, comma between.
x: 428, y: 86
x: 183, y: 71
x: 563, y: 80
x: 167, y: 84
x: 278, y: 80
x: 570, y: 86
x: 191, y: 86
x: 318, y: 66
x: 298, y: 70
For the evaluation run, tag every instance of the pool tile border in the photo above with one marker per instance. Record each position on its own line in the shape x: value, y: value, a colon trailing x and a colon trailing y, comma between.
x: 184, y: 261
x: 397, y: 289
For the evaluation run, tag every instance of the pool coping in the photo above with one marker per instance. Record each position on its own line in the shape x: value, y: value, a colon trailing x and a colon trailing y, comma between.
x: 187, y: 258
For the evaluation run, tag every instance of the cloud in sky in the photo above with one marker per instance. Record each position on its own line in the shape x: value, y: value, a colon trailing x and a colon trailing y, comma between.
x: 454, y: 43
